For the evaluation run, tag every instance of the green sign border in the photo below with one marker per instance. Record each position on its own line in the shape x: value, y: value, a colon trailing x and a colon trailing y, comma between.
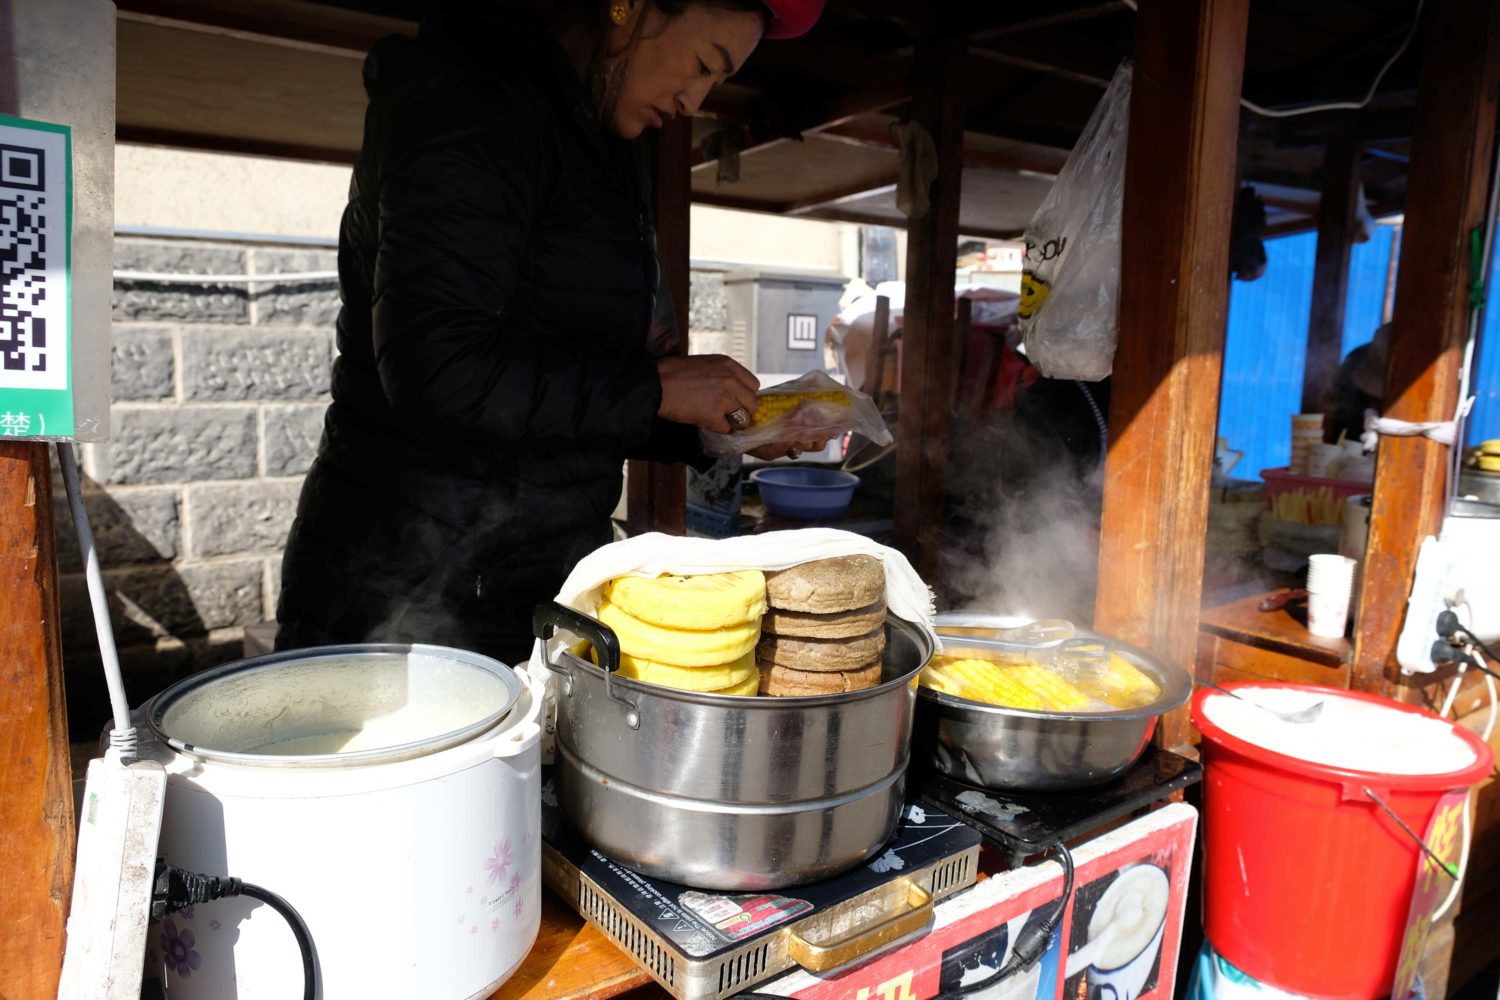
x: 53, y: 406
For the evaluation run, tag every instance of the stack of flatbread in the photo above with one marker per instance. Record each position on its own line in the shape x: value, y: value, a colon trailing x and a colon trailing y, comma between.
x: 824, y: 628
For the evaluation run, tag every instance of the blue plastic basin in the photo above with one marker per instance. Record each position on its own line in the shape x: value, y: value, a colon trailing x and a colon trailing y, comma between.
x: 805, y: 494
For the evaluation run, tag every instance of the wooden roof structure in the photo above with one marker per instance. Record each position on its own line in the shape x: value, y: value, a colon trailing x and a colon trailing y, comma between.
x: 1003, y: 89
x: 810, y: 120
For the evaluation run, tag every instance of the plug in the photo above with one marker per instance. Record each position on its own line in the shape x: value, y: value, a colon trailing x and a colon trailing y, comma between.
x: 1448, y: 624
x: 1444, y: 653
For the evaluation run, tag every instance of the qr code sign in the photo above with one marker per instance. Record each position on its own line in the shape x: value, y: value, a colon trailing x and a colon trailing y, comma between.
x: 33, y: 260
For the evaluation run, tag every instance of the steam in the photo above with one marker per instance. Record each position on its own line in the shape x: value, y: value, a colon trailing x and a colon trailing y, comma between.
x: 1029, y: 507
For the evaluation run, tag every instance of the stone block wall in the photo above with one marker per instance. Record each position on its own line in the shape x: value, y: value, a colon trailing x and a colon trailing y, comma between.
x: 219, y: 396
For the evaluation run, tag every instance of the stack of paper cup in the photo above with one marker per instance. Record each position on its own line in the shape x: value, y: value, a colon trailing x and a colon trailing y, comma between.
x: 1323, y: 460
x: 1330, y: 585
x: 1307, y: 430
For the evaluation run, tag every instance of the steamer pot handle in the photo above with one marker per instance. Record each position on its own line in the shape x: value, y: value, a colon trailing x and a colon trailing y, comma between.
x: 549, y: 617
x: 822, y: 957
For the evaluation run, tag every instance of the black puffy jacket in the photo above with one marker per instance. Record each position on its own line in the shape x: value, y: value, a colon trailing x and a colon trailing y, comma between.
x: 498, y: 273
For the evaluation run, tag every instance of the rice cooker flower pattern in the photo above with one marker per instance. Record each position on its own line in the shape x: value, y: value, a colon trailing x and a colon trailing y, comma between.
x: 503, y: 894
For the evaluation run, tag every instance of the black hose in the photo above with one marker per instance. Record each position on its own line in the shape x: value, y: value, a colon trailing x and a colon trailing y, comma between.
x: 1032, y: 941
x: 299, y: 931
x: 175, y: 889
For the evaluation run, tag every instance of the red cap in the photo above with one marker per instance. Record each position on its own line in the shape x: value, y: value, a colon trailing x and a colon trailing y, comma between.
x: 791, y: 18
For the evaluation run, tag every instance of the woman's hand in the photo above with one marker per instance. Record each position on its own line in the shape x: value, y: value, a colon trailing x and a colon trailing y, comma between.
x: 787, y: 449
x: 704, y: 390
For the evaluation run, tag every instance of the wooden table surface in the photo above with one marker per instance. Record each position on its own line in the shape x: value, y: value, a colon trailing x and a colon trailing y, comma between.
x: 572, y: 960
x: 1282, y: 631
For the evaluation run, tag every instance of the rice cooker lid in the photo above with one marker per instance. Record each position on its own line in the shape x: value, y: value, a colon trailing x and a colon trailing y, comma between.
x: 335, y: 706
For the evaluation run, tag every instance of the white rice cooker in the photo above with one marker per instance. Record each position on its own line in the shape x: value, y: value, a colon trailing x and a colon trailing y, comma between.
x: 391, y: 794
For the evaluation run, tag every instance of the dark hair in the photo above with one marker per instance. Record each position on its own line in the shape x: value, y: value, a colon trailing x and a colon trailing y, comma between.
x: 672, y: 8
x: 596, y: 12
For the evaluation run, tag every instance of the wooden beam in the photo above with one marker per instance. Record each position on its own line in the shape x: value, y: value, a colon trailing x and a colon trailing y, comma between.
x: 36, y: 847
x: 265, y: 37
x: 1338, y: 213
x: 995, y: 160
x: 841, y: 214
x: 1022, y: 60
x: 1085, y: 13
x: 871, y: 219
x: 213, y: 143
x: 853, y: 192
x: 1174, y: 293
x: 739, y: 204
x: 810, y: 121
x: 343, y: 32
x: 656, y: 498
x: 927, y: 324
x: 1446, y: 199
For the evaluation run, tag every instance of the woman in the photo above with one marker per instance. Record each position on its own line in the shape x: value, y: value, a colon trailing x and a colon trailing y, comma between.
x: 498, y: 274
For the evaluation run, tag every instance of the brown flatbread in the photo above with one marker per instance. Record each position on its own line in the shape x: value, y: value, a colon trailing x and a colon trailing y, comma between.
x: 784, y: 682
x: 821, y: 654
x: 827, y: 586
x: 839, y: 625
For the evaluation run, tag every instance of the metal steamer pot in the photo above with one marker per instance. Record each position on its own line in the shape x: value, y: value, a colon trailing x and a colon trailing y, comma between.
x: 1011, y: 748
x: 724, y: 792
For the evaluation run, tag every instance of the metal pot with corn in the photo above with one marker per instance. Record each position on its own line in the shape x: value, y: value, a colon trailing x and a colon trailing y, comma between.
x: 1016, y: 705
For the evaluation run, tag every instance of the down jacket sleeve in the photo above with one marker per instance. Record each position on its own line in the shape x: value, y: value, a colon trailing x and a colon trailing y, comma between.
x: 456, y: 205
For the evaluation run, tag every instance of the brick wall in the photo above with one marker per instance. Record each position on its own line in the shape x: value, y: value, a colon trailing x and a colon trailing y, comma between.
x: 219, y: 394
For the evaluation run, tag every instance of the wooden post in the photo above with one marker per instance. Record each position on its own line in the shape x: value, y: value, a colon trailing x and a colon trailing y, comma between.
x: 657, y: 497
x: 927, y: 320
x: 1174, y: 294
x: 1446, y: 197
x: 880, y: 347
x: 1337, y: 211
x: 36, y: 845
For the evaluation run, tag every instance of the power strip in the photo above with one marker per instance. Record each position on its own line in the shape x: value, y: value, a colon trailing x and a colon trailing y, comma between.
x: 118, y: 835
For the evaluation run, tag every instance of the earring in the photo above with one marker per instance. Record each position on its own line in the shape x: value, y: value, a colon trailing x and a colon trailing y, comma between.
x: 618, y: 13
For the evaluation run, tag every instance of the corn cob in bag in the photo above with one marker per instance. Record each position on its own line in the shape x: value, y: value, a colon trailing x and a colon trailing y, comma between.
x: 813, y: 407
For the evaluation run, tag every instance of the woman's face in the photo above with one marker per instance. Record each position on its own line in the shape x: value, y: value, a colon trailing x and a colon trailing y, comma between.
x: 678, y: 60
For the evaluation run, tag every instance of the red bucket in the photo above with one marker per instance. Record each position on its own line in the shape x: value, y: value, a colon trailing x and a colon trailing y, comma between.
x: 1307, y: 882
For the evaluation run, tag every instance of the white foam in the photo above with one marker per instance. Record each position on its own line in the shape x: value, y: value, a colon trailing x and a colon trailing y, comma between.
x: 1351, y: 734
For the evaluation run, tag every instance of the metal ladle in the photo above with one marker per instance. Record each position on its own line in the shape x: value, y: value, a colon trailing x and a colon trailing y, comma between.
x: 1299, y: 717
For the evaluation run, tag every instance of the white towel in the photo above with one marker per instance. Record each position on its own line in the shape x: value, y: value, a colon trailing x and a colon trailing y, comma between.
x: 906, y: 596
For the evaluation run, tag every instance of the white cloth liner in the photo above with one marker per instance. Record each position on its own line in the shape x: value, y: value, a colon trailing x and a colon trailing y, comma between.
x: 655, y: 554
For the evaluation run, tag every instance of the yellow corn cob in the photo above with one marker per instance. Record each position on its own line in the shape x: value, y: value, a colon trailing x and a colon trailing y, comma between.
x: 980, y: 680
x: 772, y: 405
x: 1124, y: 685
x: 1056, y: 693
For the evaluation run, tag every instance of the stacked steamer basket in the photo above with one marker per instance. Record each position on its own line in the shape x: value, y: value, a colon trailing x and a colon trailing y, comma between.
x: 670, y: 764
x: 824, y: 632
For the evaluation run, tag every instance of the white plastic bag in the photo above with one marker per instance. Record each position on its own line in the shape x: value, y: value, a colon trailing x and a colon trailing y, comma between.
x: 811, y: 408
x: 1070, y: 277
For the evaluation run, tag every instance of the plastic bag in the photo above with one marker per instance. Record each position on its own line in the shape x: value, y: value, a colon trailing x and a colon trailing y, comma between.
x: 813, y: 407
x: 1070, y: 276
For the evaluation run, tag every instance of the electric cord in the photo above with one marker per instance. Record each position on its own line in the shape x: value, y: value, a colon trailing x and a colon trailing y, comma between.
x: 1335, y: 105
x: 1448, y: 626
x: 175, y: 889
x: 1033, y: 939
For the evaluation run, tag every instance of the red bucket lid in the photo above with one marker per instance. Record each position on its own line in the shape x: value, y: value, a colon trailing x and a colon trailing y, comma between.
x: 1461, y: 778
